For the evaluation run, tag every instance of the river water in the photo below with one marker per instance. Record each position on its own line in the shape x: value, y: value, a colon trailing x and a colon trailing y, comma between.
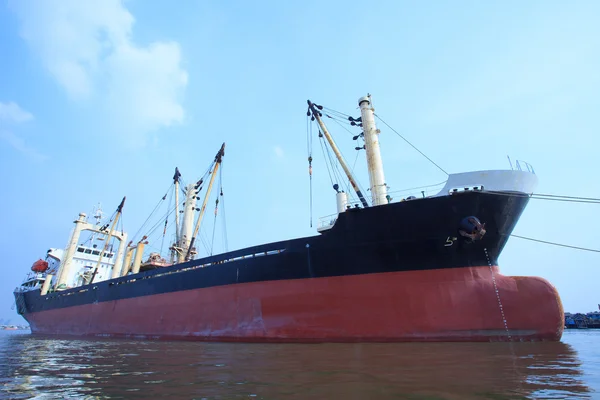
x: 59, y: 368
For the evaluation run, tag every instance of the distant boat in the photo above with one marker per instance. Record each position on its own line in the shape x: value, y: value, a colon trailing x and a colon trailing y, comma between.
x: 420, y: 269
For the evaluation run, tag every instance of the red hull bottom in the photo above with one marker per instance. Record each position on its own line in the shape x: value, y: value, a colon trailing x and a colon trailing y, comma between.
x: 459, y: 304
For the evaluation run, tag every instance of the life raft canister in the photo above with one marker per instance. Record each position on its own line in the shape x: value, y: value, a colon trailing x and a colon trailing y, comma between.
x: 39, y: 266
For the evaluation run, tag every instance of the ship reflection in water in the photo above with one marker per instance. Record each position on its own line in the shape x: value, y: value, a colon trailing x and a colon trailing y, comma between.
x: 33, y: 366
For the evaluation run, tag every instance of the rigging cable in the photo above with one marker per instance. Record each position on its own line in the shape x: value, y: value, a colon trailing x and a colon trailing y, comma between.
x: 226, y: 244
x: 204, y: 239
x: 122, y: 226
x: 162, y: 243
x: 310, y: 159
x: 552, y: 197
x: 212, y: 243
x: 150, y: 216
x: 403, y: 138
x: 417, y: 188
x: 153, y: 229
x: 567, y: 197
x: 335, y: 169
x: 341, y: 114
x: 347, y: 181
x: 102, y: 229
x: 552, y: 243
x: 201, y: 231
x: 325, y: 157
x: 339, y: 175
x: 339, y: 123
x: 355, y: 160
x: 334, y: 166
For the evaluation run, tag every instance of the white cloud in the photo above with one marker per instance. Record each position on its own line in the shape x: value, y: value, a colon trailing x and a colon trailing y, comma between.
x: 19, y: 144
x: 278, y: 152
x: 11, y: 112
x: 87, y: 46
x: 145, y: 83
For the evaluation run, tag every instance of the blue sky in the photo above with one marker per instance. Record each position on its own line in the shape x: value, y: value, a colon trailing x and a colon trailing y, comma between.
x: 103, y: 99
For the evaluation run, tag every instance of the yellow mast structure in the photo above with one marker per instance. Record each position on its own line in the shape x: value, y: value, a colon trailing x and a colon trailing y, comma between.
x: 110, y: 233
x: 218, y: 159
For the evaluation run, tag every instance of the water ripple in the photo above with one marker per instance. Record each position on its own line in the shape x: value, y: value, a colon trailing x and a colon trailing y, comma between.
x: 57, y: 368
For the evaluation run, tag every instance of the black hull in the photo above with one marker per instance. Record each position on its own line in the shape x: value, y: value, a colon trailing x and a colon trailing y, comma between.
x: 407, y: 236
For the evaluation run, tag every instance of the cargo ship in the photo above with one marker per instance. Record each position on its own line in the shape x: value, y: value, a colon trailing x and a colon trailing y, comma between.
x: 422, y: 268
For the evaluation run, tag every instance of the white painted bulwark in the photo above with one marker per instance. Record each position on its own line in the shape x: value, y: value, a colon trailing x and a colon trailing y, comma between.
x: 492, y: 180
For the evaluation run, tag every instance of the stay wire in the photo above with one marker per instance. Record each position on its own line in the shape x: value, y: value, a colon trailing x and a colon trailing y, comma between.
x: 308, y: 135
x: 154, y: 227
x: 335, y: 168
x: 162, y: 243
x: 326, y: 163
x: 552, y: 243
x: 226, y: 244
x: 339, y: 175
x: 347, y: 184
x: 122, y: 225
x: 331, y: 110
x: 152, y: 213
x: 309, y: 148
x: 343, y: 127
x: 551, y: 197
x: 204, y: 239
x: 355, y: 160
x: 343, y: 179
x: 212, y: 243
x: 413, y: 146
x: 567, y: 197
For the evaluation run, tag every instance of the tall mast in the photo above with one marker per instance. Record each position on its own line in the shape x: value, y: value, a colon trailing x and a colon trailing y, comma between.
x: 218, y: 159
x: 317, y: 115
x: 176, y: 182
x: 187, y: 221
x: 110, y: 233
x: 374, y: 163
x: 64, y: 271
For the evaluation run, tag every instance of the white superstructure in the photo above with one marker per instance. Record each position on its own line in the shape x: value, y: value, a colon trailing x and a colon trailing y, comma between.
x: 84, y: 262
x: 99, y: 251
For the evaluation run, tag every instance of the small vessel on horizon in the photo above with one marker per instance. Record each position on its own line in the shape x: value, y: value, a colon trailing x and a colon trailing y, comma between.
x: 420, y: 269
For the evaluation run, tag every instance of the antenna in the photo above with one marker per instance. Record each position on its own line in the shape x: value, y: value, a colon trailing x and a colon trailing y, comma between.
x: 98, y: 214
